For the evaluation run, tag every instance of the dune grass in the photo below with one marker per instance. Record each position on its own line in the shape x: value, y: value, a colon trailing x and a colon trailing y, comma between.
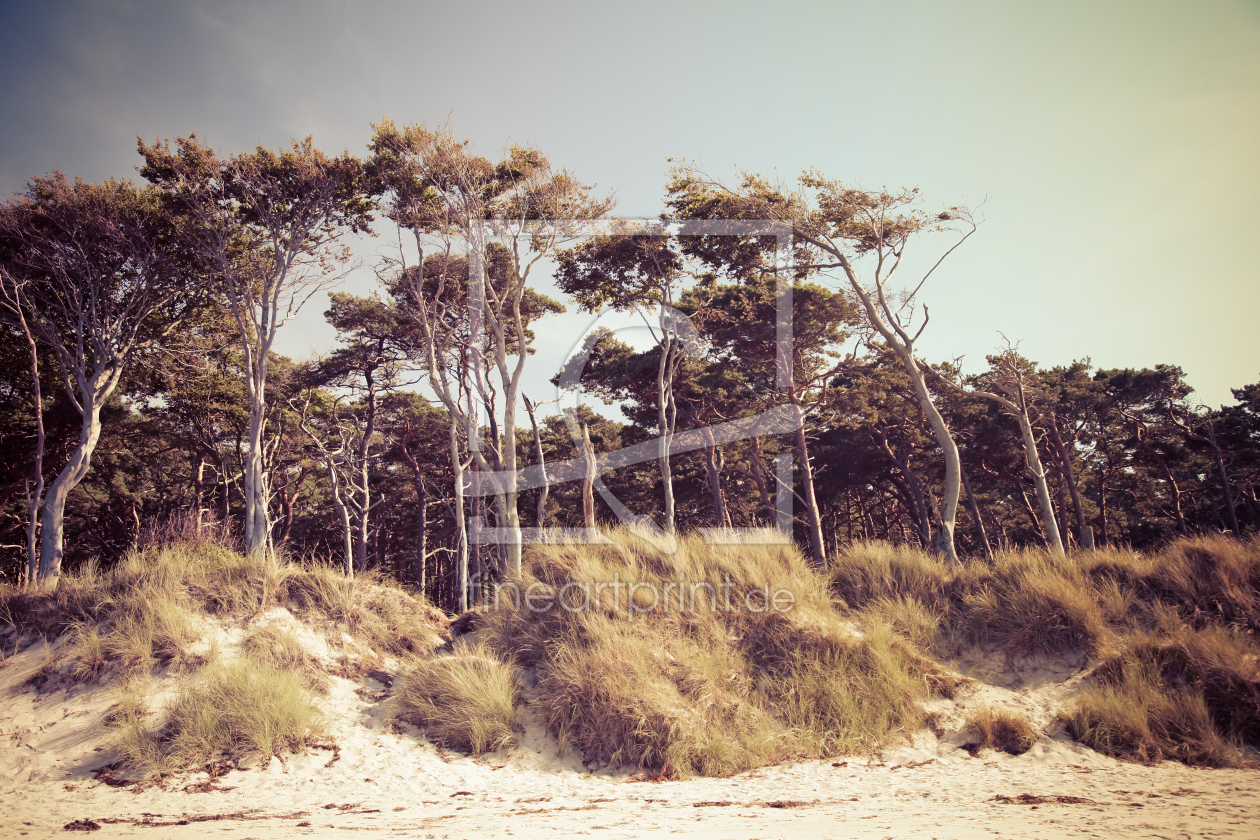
x: 467, y: 701
x: 272, y: 647
x: 1173, y: 632
x: 236, y: 712
x: 146, y: 611
x: 1003, y: 730
x: 149, y: 611
x: 1031, y: 602
x: 687, y: 663
x: 1186, y: 694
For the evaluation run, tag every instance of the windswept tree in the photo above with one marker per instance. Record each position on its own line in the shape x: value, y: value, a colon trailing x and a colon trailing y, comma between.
x: 368, y: 364
x: 98, y: 275
x: 641, y: 272
x: 1011, y: 383
x: 860, y: 238
x: 454, y: 203
x: 272, y: 224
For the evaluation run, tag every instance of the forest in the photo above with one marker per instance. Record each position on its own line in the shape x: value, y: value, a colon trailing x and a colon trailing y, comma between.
x: 140, y: 388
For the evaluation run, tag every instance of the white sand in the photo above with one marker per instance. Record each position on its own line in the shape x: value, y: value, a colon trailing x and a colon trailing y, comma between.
x: 397, y: 783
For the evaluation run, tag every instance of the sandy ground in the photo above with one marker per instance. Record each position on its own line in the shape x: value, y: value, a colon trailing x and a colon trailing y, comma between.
x: 393, y: 782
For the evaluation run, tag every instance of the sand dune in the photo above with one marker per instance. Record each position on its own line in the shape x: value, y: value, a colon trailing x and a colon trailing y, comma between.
x: 385, y: 777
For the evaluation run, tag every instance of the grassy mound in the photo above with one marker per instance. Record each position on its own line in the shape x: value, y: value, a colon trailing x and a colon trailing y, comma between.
x: 467, y: 702
x: 1192, y: 695
x: 1174, y: 632
x: 1031, y: 602
x: 712, y: 660
x: 238, y: 712
x: 147, y: 610
x: 153, y: 607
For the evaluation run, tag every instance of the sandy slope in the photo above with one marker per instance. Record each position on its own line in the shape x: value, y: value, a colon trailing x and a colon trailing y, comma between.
x: 395, y: 782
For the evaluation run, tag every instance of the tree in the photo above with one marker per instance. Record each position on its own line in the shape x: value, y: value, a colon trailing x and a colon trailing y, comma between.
x: 841, y: 229
x: 1012, y: 376
x: 98, y: 275
x: 270, y: 223
x: 643, y: 273
x: 447, y: 197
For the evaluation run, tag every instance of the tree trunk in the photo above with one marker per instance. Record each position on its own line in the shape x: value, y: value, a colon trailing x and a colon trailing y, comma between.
x: 975, y: 513
x: 1020, y: 412
x: 363, y: 528
x: 913, y: 486
x: 944, y: 542
x: 759, y: 476
x: 816, y: 546
x: 422, y: 533
x: 199, y: 475
x: 1053, y: 541
x: 664, y: 400
x: 589, y: 475
x: 714, y: 461
x: 257, y: 526
x: 461, y: 556
x: 52, y: 547
x: 1085, y: 533
x: 343, y: 514
x: 545, y: 490
x: 1145, y: 446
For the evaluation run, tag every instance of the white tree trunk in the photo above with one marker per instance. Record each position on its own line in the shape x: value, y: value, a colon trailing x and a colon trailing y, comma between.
x: 52, y: 548
x: 1053, y: 540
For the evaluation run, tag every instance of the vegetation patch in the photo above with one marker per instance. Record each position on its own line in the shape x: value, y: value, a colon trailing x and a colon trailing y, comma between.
x: 467, y: 701
x: 1009, y: 732
x: 653, y: 678
x: 237, y: 712
x: 1192, y: 697
x: 147, y: 610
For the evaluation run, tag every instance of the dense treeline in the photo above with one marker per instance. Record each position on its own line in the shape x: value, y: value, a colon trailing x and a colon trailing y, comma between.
x: 139, y: 384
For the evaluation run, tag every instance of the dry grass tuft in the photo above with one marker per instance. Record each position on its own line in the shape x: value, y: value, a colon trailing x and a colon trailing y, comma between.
x: 272, y: 647
x: 236, y: 712
x: 1192, y: 695
x: 1002, y: 730
x: 467, y: 701
x: 145, y: 611
x: 1175, y: 632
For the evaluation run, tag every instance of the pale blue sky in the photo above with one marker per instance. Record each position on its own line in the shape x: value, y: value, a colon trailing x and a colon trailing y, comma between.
x: 1115, y: 142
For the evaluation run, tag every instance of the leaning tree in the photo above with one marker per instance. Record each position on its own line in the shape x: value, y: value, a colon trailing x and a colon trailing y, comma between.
x: 98, y: 274
x: 858, y: 237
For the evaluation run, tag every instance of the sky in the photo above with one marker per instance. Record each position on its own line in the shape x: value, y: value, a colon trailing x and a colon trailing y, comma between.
x: 1111, y: 146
